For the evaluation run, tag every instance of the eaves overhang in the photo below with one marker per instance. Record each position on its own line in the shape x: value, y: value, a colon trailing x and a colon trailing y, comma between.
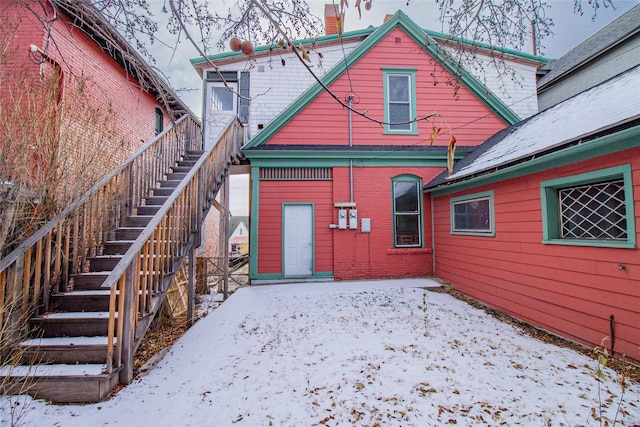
x: 301, y: 155
x: 605, y: 142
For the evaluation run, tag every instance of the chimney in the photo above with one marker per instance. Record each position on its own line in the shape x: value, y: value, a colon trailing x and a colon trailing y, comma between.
x: 331, y: 19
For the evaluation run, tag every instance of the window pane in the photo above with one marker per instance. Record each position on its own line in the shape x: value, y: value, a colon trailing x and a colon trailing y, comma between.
x: 221, y: 99
x: 407, y: 230
x: 594, y: 211
x: 399, y: 89
x: 406, y: 197
x: 472, y: 215
x: 400, y: 114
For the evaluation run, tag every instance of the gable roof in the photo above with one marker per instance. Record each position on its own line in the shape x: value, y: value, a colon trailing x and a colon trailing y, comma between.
x: 619, y: 30
x: 402, y: 21
x: 87, y: 18
x: 355, y: 35
x: 235, y: 221
x: 602, y: 109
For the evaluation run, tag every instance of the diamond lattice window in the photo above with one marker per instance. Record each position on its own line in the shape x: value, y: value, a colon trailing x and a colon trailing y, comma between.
x: 594, y: 211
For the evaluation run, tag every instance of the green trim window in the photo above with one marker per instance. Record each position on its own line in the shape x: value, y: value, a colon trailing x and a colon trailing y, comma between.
x: 399, y: 100
x: 590, y: 209
x: 407, y: 212
x: 473, y: 214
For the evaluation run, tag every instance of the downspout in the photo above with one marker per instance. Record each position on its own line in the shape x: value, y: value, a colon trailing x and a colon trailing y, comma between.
x: 433, y: 237
x: 350, y: 99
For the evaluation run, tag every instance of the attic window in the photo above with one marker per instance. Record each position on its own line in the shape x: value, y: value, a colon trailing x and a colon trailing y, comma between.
x: 398, y: 40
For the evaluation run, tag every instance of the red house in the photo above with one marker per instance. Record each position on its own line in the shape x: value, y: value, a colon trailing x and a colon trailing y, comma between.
x: 337, y: 195
x: 540, y: 221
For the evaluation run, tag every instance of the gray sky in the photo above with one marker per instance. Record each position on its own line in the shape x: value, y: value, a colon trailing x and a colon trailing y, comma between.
x: 569, y: 30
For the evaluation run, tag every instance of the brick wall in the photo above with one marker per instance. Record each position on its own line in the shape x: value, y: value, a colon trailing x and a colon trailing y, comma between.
x: 93, y: 81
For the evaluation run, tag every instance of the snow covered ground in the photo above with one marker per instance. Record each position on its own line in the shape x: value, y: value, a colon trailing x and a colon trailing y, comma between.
x: 355, y: 353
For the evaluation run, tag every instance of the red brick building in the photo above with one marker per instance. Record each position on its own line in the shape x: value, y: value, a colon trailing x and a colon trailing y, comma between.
x: 96, y: 74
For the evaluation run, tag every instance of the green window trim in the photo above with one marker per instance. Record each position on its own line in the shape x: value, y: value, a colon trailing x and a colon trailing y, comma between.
x: 550, y: 204
x: 469, y: 198
x: 410, y: 73
x: 418, y: 212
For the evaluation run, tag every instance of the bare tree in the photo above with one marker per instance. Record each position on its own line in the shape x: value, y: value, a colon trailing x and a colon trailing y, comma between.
x: 52, y: 147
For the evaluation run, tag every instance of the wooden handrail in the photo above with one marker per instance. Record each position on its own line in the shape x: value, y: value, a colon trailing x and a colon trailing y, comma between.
x: 165, y: 239
x: 47, y: 260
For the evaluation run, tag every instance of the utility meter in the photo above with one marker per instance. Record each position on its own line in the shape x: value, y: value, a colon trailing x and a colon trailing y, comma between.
x: 353, y: 219
x: 342, y: 218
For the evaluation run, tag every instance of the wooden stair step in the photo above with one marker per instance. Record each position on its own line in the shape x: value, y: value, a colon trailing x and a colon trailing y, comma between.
x: 182, y: 168
x: 193, y: 154
x: 158, y: 200
x: 65, y: 350
x: 81, y: 300
x: 72, y: 324
x: 104, y: 262
x: 179, y: 176
x: 148, y: 209
x: 139, y: 220
x: 170, y: 183
x: 128, y: 233
x: 61, y: 383
x: 164, y: 192
x: 90, y: 280
x: 117, y: 247
x: 189, y: 163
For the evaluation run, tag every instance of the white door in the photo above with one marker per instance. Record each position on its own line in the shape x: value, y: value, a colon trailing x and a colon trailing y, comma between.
x: 298, y: 240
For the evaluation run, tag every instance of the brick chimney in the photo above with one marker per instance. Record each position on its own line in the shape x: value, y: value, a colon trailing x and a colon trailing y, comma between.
x: 331, y: 19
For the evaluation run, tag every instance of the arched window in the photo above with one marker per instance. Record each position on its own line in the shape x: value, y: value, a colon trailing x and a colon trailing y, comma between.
x: 407, y: 211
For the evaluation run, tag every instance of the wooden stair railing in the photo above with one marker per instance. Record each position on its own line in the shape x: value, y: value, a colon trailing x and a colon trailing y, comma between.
x: 127, y: 236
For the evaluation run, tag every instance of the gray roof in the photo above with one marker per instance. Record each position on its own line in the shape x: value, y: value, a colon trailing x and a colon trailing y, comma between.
x: 608, y: 106
x: 608, y: 37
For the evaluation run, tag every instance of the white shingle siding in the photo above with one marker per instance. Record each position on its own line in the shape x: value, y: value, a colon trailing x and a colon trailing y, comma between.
x: 273, y: 89
x: 511, y: 81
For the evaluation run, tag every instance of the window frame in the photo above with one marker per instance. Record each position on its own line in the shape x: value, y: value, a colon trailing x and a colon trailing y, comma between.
x: 468, y: 198
x: 420, y: 214
x: 410, y: 73
x: 158, y: 120
x: 550, y: 206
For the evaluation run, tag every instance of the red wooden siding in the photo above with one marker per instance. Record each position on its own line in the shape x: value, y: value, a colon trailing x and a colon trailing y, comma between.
x: 324, y: 122
x: 569, y: 290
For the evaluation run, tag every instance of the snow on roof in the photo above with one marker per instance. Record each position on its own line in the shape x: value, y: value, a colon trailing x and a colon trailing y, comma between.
x: 609, y: 104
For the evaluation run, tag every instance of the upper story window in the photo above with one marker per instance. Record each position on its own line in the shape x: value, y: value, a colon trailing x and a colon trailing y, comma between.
x: 159, y: 120
x: 399, y: 100
x: 232, y: 96
x: 407, y: 211
x: 473, y: 214
x: 591, y: 209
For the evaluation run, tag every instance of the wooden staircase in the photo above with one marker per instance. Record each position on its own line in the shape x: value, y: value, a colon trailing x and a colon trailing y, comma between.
x: 88, y: 313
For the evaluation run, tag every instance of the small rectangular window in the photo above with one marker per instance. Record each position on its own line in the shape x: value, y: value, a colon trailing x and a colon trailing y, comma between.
x: 407, y: 214
x: 473, y: 214
x: 159, y: 123
x: 590, y: 209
